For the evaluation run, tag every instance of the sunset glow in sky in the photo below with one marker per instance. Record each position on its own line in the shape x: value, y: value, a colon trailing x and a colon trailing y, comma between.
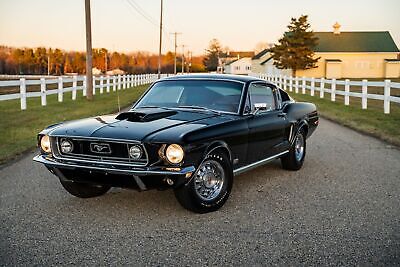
x: 239, y: 24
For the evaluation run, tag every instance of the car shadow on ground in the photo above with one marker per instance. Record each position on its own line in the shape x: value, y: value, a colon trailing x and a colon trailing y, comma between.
x: 129, y: 202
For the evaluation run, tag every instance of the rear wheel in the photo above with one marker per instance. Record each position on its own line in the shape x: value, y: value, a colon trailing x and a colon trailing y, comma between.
x: 295, y: 158
x: 209, y: 187
x: 83, y: 190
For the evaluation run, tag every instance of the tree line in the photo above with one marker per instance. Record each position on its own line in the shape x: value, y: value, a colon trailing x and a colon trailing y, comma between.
x: 51, y: 61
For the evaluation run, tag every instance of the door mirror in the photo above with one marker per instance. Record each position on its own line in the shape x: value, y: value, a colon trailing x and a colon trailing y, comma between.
x: 258, y: 107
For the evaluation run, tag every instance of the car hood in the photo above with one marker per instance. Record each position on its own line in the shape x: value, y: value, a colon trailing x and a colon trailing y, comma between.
x: 132, y: 125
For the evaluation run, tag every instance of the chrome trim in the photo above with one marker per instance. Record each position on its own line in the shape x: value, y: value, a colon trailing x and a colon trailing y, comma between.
x: 156, y: 171
x: 104, y: 159
x: 257, y: 163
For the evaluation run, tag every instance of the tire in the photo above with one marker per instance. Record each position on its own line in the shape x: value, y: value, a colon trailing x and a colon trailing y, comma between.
x: 84, y: 190
x: 295, y: 158
x: 209, y: 187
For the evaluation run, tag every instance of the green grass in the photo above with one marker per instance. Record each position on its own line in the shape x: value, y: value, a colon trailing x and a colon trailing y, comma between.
x: 371, y: 121
x: 18, y: 129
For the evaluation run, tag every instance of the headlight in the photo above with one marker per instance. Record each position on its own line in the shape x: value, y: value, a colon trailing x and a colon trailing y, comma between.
x: 45, y: 143
x: 66, y: 146
x: 174, y: 153
x: 135, y: 152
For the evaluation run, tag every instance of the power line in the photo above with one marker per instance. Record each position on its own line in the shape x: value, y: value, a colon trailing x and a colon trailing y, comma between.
x: 147, y: 17
x: 141, y: 12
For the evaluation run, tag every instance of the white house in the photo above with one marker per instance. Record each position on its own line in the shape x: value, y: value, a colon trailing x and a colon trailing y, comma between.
x: 239, y: 66
x: 264, y: 63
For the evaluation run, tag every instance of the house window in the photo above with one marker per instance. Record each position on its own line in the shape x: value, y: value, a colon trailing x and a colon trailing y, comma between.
x: 248, y: 67
x: 237, y: 67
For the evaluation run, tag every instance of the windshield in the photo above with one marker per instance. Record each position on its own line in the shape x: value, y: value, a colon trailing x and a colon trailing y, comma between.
x: 200, y: 94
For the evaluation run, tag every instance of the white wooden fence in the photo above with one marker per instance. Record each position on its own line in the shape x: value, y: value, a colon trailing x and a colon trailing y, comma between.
x: 101, y: 84
x: 329, y: 86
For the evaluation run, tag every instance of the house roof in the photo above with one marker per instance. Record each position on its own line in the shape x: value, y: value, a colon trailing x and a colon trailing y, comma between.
x: 333, y: 60
x: 392, y: 60
x: 230, y: 62
x: 240, y: 54
x: 380, y: 41
x: 260, y: 54
x: 265, y: 61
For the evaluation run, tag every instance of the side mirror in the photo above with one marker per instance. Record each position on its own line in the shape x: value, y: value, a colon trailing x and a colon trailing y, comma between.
x: 258, y: 107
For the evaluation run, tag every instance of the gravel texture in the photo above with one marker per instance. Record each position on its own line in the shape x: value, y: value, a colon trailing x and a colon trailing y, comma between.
x: 341, y: 208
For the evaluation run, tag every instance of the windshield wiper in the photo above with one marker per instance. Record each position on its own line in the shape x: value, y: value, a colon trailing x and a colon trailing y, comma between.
x: 201, y: 108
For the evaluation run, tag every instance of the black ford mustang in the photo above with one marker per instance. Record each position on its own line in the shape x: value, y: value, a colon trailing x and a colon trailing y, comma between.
x: 192, y: 133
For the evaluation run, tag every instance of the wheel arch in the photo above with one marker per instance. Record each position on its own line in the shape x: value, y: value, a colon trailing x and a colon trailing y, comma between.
x: 219, y: 145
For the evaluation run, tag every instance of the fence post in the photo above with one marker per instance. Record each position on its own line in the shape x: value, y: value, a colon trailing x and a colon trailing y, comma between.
x: 60, y: 89
x: 284, y: 83
x: 135, y: 80
x: 94, y: 85
x: 43, y: 91
x: 101, y: 84
x: 84, y: 86
x: 303, y: 85
x: 321, y: 88
x: 124, y: 82
x: 290, y: 84
x: 74, y: 84
x: 108, y: 84
x: 386, y: 99
x: 312, y: 86
x: 22, y: 91
x: 346, y: 92
x: 114, y: 78
x: 333, y: 90
x: 119, y: 82
x: 364, y: 94
x: 297, y: 85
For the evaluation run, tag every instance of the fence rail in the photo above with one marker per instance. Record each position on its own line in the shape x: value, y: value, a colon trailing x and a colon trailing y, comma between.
x: 100, y: 84
x: 304, y: 84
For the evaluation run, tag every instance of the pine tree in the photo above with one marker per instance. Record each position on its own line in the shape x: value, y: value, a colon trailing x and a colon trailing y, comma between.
x: 296, y: 48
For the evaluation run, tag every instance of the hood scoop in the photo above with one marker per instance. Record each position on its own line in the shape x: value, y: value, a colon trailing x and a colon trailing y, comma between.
x: 145, y: 115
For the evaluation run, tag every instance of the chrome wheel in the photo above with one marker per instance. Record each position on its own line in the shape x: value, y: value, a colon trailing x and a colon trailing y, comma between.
x: 209, y: 180
x: 299, y: 147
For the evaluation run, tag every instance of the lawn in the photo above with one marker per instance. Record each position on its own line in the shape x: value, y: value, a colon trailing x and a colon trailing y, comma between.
x: 371, y: 121
x: 18, y: 129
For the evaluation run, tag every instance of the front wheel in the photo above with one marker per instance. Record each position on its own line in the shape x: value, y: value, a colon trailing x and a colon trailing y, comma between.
x: 83, y: 190
x: 295, y: 158
x: 209, y: 187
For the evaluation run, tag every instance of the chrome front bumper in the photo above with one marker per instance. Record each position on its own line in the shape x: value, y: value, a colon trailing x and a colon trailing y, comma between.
x: 142, y: 171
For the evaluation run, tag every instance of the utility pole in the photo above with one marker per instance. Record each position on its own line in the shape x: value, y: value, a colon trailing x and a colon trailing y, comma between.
x: 190, y: 61
x: 176, y: 46
x: 89, y: 57
x: 183, y: 58
x: 48, y: 65
x: 105, y: 61
x: 159, y: 47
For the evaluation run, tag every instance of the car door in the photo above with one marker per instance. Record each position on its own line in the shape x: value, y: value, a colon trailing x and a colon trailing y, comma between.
x: 266, y: 124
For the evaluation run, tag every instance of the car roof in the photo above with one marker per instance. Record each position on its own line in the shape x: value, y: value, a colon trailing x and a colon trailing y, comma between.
x: 208, y: 76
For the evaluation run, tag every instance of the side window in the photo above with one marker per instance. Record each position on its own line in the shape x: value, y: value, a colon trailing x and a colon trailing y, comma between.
x: 262, y: 94
x: 284, y: 96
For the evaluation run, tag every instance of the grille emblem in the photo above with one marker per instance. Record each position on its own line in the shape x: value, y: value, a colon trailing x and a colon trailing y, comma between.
x: 100, y: 148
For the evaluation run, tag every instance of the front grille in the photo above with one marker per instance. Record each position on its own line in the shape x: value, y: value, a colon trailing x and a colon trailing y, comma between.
x: 114, y: 150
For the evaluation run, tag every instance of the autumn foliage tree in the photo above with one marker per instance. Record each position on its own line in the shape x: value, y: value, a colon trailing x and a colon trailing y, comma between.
x: 295, y: 49
x: 59, y: 62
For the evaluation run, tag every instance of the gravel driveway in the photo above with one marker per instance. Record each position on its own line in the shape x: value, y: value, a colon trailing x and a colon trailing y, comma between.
x: 342, y: 208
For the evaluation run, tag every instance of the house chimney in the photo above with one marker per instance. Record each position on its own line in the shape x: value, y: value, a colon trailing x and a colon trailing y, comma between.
x: 336, y: 28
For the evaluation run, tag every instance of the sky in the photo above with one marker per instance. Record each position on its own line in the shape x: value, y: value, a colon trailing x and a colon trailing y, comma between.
x: 238, y: 24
